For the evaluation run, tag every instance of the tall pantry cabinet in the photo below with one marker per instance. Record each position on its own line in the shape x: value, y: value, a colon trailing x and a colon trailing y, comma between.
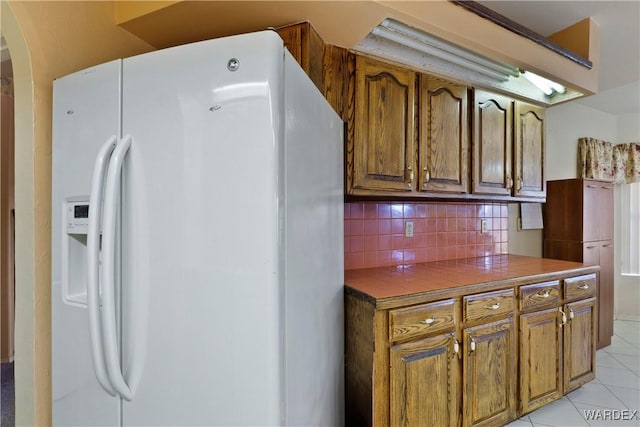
x: 579, y: 227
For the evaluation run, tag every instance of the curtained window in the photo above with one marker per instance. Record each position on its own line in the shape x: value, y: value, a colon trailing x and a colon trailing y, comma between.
x: 603, y: 160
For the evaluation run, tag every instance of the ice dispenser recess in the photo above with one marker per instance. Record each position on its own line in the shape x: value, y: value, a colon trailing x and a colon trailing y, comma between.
x: 74, y: 251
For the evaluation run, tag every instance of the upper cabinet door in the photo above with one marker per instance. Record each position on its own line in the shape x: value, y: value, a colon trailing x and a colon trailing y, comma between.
x: 384, y: 146
x: 492, y: 142
x: 598, y: 210
x: 529, y: 151
x: 444, y: 136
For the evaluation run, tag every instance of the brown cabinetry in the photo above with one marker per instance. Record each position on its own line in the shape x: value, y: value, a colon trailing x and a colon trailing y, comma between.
x: 307, y: 47
x: 508, y: 147
x: 489, y: 367
x: 541, y: 354
x: 529, y: 146
x: 492, y: 143
x: 444, y: 136
x: 384, y: 150
x: 489, y: 374
x: 395, y: 153
x: 476, y: 355
x: 424, y: 372
x: 579, y: 227
x: 579, y: 320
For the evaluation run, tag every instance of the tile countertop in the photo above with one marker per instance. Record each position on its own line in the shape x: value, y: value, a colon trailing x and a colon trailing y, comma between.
x: 387, y: 287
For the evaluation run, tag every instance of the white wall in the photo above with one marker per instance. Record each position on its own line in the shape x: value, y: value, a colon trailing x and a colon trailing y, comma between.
x: 629, y: 127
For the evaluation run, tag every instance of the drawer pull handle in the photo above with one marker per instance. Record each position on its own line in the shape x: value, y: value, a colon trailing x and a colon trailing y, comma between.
x: 428, y: 321
x: 583, y: 286
x: 590, y: 247
x: 472, y: 346
x: 570, y: 313
x: 493, y: 307
x: 546, y: 293
x: 456, y: 346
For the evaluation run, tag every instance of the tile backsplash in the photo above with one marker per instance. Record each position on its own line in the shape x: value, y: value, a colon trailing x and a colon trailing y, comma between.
x: 374, y: 232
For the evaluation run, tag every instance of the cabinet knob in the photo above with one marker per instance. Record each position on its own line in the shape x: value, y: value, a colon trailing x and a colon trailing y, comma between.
x: 427, y: 175
x: 509, y: 182
x: 546, y: 293
x: 583, y: 286
x: 519, y: 184
x: 472, y: 345
x: 428, y: 321
x: 493, y: 307
x: 570, y: 313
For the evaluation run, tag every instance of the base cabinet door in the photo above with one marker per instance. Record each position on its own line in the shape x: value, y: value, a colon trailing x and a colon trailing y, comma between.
x: 579, y: 344
x: 489, y: 380
x: 425, y: 382
x: 540, y: 359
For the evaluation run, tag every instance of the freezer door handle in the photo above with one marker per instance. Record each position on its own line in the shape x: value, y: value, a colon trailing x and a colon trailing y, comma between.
x: 93, y: 253
x: 110, y: 208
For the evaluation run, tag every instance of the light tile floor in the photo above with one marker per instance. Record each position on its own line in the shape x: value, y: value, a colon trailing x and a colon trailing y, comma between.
x: 616, y: 387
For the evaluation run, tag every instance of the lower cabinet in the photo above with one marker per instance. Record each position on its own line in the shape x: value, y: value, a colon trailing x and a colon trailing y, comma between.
x: 489, y: 374
x: 579, y: 345
x: 424, y: 382
x: 476, y: 359
x: 540, y: 359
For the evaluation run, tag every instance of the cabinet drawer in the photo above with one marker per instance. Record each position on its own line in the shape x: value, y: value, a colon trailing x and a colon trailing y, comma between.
x: 422, y: 319
x: 539, y: 295
x: 580, y: 287
x: 489, y: 304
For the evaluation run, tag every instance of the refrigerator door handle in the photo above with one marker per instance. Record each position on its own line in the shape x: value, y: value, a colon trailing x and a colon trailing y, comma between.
x: 110, y: 336
x: 93, y: 253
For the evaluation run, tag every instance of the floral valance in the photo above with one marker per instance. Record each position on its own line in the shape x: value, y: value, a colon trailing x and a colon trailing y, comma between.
x: 610, y: 162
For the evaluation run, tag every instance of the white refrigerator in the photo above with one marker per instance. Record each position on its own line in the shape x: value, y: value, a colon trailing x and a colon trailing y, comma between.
x: 197, y: 243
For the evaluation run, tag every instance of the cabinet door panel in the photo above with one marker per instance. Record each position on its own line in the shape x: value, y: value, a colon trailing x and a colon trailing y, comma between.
x: 492, y: 144
x: 444, y: 136
x: 489, y: 374
x: 529, y: 151
x: 540, y: 359
x: 579, y: 343
x: 384, y: 133
x: 598, y: 210
x: 424, y: 383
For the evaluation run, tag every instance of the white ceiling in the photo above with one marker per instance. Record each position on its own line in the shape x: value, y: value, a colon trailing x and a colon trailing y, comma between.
x: 619, y: 22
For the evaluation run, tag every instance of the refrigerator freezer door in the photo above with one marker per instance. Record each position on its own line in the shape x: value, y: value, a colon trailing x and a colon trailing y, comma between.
x: 202, y: 301
x: 86, y: 113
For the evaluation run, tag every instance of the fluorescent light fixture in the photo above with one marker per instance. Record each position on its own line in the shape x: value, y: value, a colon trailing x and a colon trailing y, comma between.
x: 441, y: 49
x: 397, y: 42
x: 549, y: 87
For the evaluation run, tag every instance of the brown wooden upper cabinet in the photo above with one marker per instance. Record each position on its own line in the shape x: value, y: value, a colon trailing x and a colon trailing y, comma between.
x: 386, y: 159
x: 307, y: 47
x: 508, y: 147
x: 444, y: 136
x: 384, y: 150
x: 492, y: 144
x: 529, y: 151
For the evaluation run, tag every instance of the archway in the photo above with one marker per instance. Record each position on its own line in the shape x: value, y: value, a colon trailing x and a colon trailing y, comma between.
x: 26, y: 368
